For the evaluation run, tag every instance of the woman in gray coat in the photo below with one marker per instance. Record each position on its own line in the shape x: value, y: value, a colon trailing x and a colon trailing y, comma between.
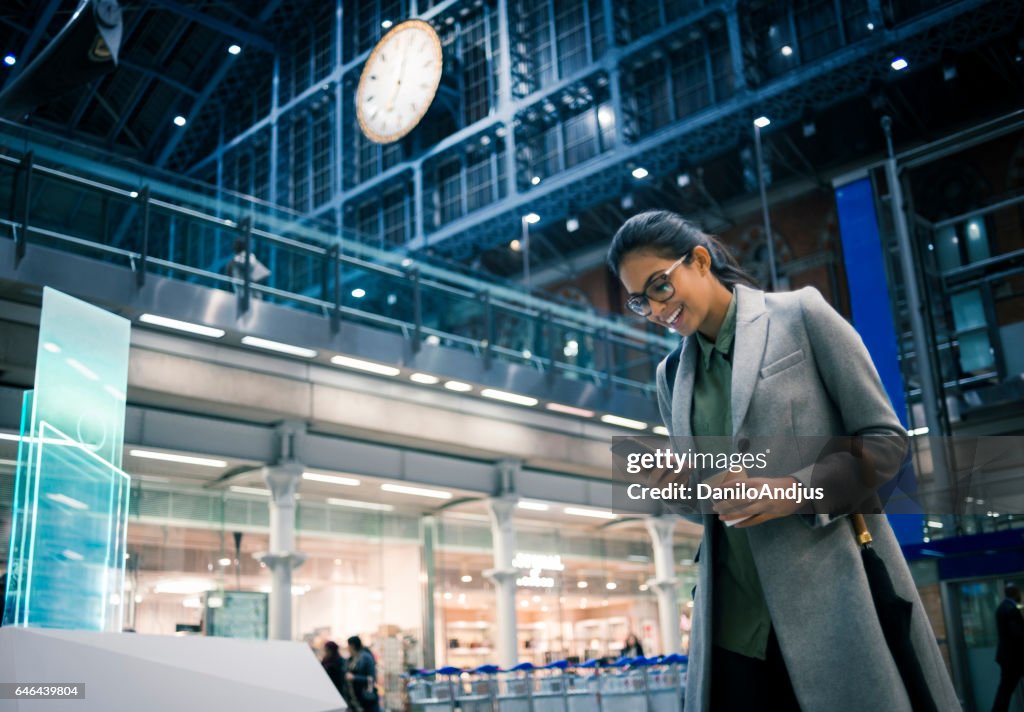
x: 783, y: 615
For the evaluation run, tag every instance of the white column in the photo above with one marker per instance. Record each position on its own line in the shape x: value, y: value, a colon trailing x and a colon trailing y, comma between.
x: 281, y: 558
x: 664, y: 582
x: 504, y: 577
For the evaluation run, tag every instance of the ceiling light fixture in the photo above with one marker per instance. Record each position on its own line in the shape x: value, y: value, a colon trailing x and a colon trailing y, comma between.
x: 508, y: 397
x: 330, y: 479
x: 179, y: 325
x: 368, y: 366
x: 416, y: 491
x: 592, y: 513
x: 182, y: 459
x: 570, y: 410
x: 356, y: 504
x: 623, y: 422
x: 278, y: 347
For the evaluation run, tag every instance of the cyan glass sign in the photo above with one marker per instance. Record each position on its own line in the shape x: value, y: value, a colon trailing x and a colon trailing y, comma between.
x: 70, y: 513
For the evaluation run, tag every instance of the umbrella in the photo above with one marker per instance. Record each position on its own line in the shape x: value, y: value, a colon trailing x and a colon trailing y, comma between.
x: 894, y: 617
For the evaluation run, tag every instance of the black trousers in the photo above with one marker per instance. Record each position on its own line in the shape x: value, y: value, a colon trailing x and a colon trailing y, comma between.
x: 1008, y: 679
x: 741, y: 684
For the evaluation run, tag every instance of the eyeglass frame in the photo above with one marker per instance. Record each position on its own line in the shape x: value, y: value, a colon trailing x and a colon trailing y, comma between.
x: 643, y: 308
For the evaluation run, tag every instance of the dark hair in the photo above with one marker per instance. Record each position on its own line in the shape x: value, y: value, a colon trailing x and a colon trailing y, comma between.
x: 240, y: 244
x: 671, y: 235
x: 331, y: 645
x: 1011, y: 588
x: 355, y: 643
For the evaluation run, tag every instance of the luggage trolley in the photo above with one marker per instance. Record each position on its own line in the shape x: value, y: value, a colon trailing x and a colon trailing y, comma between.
x: 515, y: 689
x: 582, y: 693
x: 624, y: 687
x: 433, y: 690
x: 477, y: 689
x: 666, y: 683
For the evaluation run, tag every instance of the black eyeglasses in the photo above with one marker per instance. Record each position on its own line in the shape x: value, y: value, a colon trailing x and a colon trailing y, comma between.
x: 659, y: 289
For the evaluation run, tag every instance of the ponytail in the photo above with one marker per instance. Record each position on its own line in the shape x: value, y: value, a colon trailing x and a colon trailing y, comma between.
x: 671, y: 236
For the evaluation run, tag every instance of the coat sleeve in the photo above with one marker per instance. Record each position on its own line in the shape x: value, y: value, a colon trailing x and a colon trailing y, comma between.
x: 873, y: 444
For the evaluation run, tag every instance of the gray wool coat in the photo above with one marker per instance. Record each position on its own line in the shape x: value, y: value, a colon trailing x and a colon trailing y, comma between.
x: 799, y: 368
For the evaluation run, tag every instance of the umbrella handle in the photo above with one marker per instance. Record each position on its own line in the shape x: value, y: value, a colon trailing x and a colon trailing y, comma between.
x: 860, y: 528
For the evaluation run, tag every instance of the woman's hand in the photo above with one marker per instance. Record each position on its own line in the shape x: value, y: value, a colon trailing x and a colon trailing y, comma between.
x: 757, y: 511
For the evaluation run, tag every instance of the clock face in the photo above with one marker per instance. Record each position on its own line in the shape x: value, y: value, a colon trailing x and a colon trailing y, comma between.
x: 399, y: 81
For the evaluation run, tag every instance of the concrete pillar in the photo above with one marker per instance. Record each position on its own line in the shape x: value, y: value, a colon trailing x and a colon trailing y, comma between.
x: 281, y: 558
x: 664, y: 582
x: 504, y: 577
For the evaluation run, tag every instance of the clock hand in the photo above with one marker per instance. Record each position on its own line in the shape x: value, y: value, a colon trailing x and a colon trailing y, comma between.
x: 398, y: 84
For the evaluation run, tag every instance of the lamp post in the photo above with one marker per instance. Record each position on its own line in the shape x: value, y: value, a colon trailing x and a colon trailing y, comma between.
x: 760, y: 122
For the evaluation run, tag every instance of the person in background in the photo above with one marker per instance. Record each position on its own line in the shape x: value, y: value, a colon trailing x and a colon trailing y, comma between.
x: 362, y: 677
x: 632, y: 648
x: 1010, y: 649
x: 258, y: 272
x: 334, y: 666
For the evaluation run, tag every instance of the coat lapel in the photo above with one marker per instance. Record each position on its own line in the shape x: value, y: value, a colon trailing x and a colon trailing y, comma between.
x: 683, y: 388
x: 751, y: 336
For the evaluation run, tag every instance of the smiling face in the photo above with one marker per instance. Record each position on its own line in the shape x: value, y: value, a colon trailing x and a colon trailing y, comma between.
x: 695, y: 289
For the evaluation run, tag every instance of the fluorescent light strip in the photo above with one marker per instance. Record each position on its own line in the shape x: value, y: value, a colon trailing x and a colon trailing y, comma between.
x: 570, y: 410
x: 508, y: 397
x: 356, y: 504
x: 660, y: 430
x: 368, y: 366
x: 69, y: 501
x: 424, y: 378
x: 417, y: 491
x: 458, y: 386
x: 330, y: 479
x: 534, y: 506
x: 592, y: 513
x: 179, y: 325
x: 183, y: 459
x: 623, y: 422
x: 250, y: 490
x: 277, y: 346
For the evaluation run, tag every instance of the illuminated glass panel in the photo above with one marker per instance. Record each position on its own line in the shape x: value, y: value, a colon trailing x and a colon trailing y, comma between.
x: 66, y: 563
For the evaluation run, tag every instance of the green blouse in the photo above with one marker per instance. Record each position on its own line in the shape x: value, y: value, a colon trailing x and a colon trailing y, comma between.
x: 740, y: 620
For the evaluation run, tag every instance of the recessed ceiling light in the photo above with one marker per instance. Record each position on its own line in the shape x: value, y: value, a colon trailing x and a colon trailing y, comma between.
x: 508, y: 397
x: 182, y: 459
x: 787, y: 51
x: 179, y: 325
x: 358, y: 293
x: 570, y: 410
x: 180, y: 120
x: 592, y: 513
x: 640, y: 173
x: 532, y: 218
x: 458, y: 386
x: 535, y: 180
x: 424, y: 378
x: 356, y: 504
x: 623, y: 422
x: 250, y: 490
x: 330, y: 479
x: 368, y: 366
x: 234, y: 49
x: 572, y: 224
x: 899, y: 64
x: 277, y: 346
x: 10, y: 60
x: 416, y: 491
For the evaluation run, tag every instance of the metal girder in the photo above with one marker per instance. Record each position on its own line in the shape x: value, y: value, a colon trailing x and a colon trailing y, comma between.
x: 153, y: 73
x: 240, y: 36
x: 150, y: 74
x: 33, y: 39
x: 714, y: 131
x: 208, y: 91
